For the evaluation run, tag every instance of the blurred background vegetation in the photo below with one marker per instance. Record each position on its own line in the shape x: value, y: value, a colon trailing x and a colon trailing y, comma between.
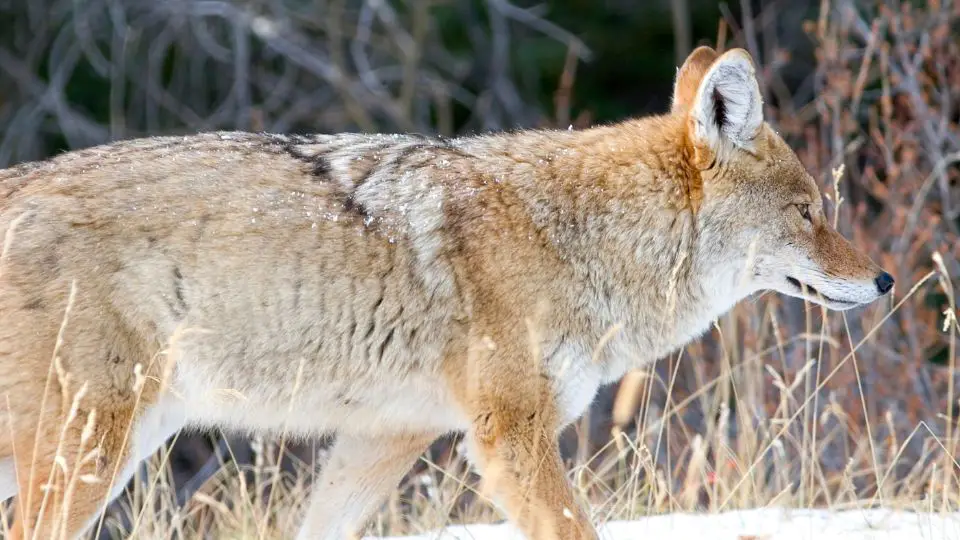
x: 782, y: 401
x: 79, y: 73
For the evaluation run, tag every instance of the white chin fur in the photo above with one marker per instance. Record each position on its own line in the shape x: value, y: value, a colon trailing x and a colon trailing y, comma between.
x: 834, y: 305
x: 795, y: 289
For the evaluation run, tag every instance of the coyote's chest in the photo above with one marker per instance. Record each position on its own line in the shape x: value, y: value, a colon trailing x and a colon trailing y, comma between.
x: 575, y: 379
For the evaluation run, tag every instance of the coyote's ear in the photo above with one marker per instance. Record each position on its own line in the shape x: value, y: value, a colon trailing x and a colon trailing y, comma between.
x: 689, y: 76
x: 728, y: 108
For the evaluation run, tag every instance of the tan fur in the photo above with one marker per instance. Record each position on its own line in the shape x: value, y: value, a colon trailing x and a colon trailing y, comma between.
x: 387, y: 288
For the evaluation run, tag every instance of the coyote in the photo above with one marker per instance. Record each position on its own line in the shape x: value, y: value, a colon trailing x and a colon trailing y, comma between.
x: 388, y: 288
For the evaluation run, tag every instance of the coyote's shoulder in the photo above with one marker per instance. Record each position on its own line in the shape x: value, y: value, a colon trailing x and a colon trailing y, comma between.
x: 391, y: 288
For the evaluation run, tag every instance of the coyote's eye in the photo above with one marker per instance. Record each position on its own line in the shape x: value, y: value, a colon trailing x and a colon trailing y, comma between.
x: 805, y: 211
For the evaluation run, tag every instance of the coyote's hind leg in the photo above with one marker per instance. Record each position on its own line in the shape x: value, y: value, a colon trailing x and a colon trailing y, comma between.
x: 64, y: 468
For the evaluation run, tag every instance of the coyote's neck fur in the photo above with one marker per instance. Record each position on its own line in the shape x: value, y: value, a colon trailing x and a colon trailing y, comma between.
x: 621, y: 209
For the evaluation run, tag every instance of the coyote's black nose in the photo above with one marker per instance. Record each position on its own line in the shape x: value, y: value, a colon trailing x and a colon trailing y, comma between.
x: 884, y: 282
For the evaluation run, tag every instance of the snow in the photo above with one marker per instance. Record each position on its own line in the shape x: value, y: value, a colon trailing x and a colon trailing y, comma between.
x: 760, y: 524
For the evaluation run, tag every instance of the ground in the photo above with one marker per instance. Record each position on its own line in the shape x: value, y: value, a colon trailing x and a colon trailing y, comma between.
x: 760, y: 524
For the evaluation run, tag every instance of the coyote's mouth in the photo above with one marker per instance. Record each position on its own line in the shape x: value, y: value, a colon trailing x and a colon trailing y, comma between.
x: 812, y: 293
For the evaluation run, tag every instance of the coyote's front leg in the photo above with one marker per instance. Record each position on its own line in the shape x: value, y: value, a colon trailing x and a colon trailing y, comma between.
x: 514, y: 445
x: 521, y: 464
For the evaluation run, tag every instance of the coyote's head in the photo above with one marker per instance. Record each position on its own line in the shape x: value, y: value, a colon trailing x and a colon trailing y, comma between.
x: 758, y: 203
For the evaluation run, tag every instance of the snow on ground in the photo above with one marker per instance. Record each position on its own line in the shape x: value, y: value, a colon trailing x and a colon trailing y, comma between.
x: 761, y: 524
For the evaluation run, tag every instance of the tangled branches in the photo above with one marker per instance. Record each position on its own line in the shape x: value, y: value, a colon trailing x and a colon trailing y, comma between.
x: 74, y: 74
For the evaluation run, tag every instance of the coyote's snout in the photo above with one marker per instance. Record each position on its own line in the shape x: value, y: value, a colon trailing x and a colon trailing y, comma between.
x: 830, y: 271
x: 386, y: 288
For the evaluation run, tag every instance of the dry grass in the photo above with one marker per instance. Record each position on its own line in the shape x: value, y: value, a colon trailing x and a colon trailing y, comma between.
x: 783, y: 404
